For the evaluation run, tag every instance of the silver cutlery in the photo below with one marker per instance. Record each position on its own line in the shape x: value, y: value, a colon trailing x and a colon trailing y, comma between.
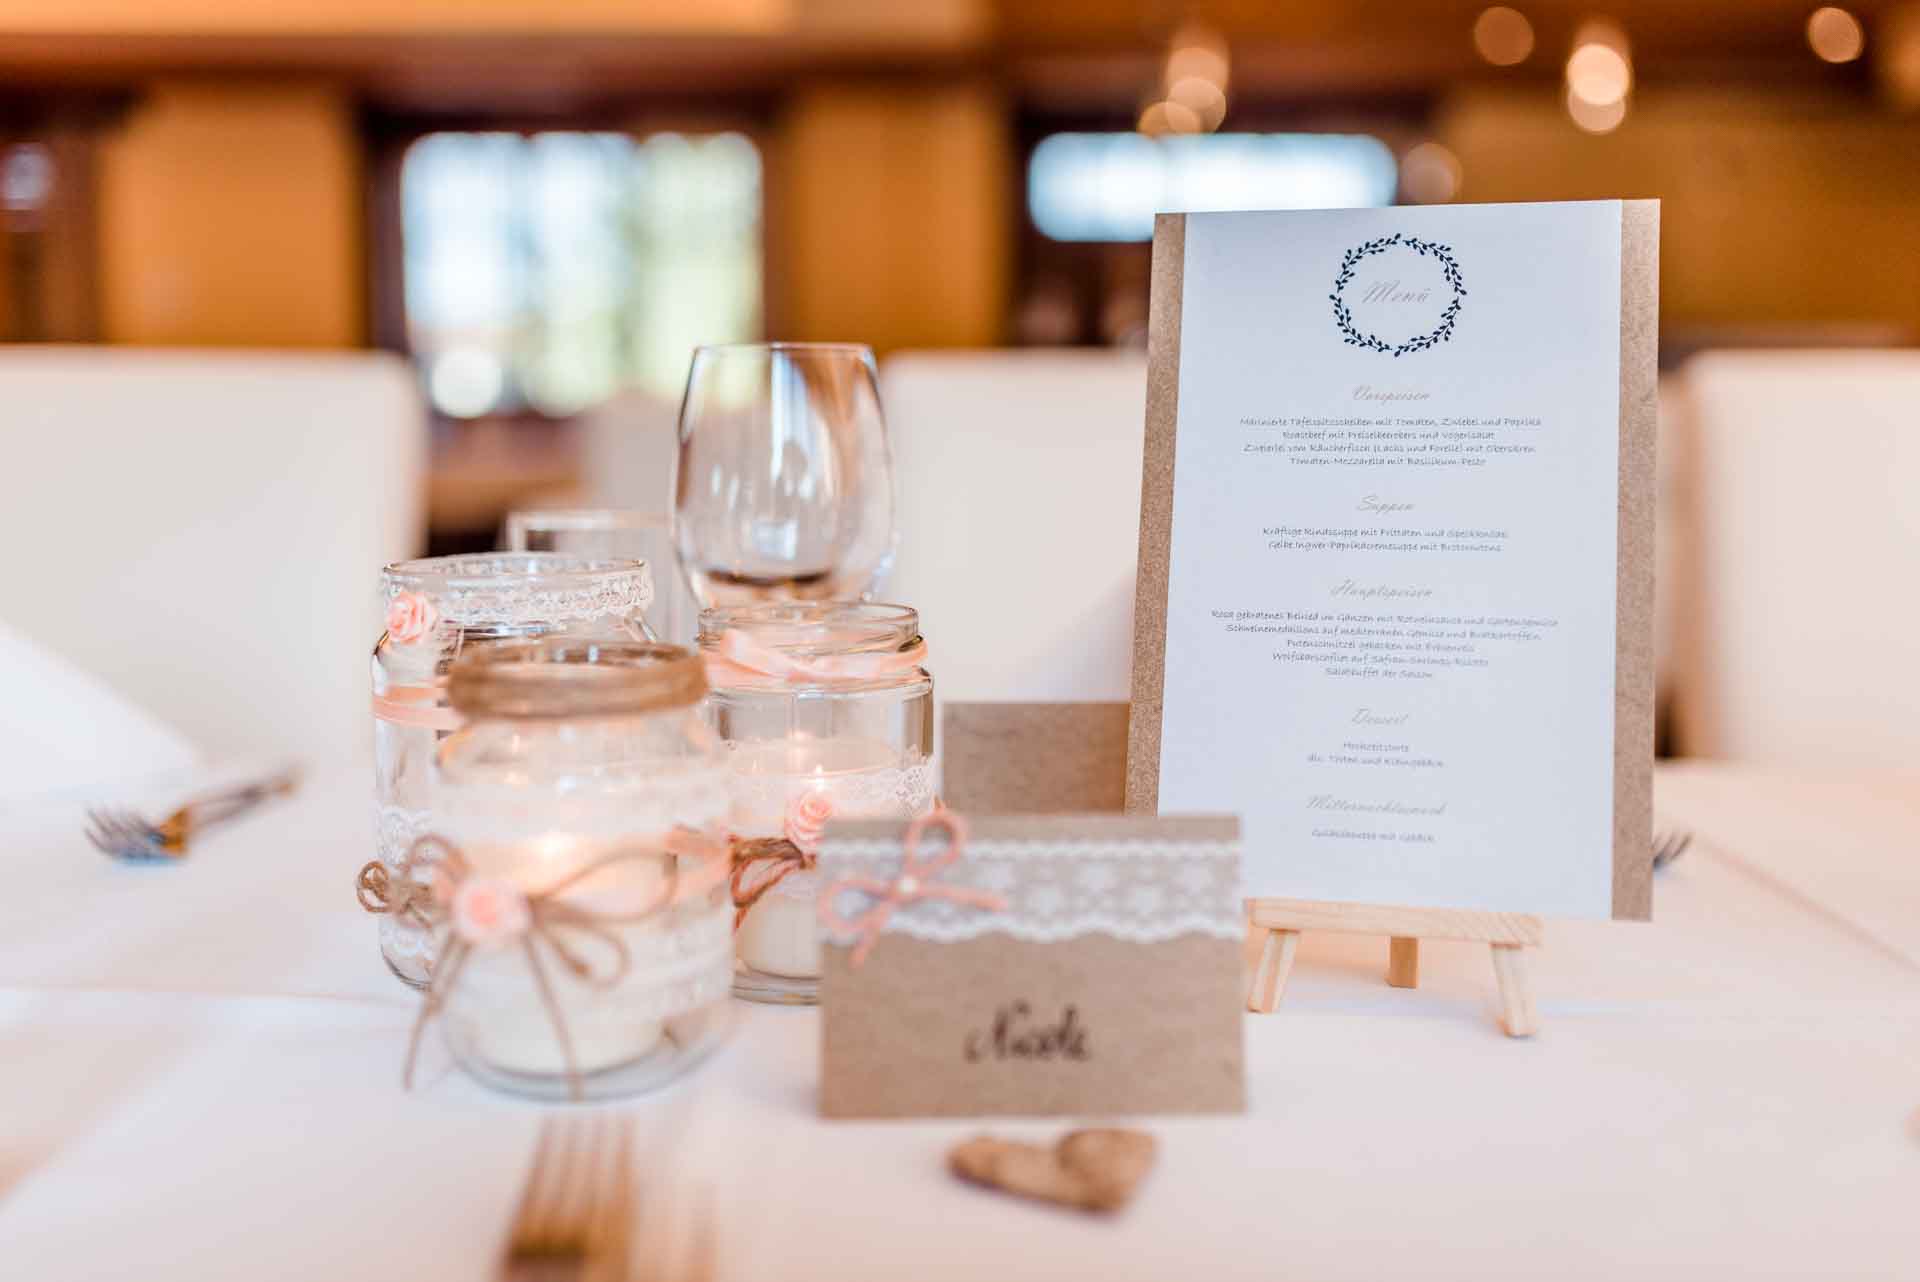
x: 1669, y: 846
x: 127, y: 835
x: 575, y: 1216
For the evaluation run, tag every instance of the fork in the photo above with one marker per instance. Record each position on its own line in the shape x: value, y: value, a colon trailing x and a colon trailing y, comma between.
x: 1669, y: 846
x: 126, y: 835
x: 575, y: 1214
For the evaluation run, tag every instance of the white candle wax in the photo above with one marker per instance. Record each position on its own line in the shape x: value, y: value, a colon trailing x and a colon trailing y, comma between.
x: 781, y: 934
x: 506, y: 1021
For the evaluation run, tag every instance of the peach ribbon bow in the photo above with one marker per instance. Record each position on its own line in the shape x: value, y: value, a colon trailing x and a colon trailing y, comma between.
x: 917, y: 881
x: 739, y: 660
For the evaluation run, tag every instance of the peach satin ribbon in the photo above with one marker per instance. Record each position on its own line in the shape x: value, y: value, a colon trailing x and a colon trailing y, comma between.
x: 917, y: 881
x: 739, y: 660
x: 416, y: 706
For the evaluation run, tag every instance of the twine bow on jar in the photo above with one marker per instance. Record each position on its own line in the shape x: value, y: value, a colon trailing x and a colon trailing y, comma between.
x: 918, y: 880
x: 379, y: 891
x: 761, y: 863
x: 435, y: 887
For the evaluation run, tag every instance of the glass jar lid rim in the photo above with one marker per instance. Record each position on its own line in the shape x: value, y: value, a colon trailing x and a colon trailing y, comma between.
x: 810, y: 624
x: 478, y: 570
x: 517, y: 589
x: 544, y: 679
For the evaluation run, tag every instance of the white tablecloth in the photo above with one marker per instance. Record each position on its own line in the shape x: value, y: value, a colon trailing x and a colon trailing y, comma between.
x: 200, y: 1073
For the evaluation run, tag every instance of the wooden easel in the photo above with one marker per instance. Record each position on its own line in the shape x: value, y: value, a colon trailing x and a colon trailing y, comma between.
x: 1506, y: 934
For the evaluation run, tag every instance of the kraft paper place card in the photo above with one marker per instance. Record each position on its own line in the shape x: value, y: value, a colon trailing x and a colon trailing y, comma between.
x: 1040, y: 965
x: 1396, y: 551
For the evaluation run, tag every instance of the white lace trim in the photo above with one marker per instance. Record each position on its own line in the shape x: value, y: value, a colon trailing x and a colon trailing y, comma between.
x: 517, y: 589
x: 395, y: 829
x: 1139, y: 891
x: 891, y: 792
x: 644, y: 809
x: 696, y: 798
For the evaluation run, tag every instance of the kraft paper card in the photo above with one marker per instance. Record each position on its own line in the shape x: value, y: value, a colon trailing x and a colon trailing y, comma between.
x: 1034, y: 758
x: 1396, y: 551
x: 1042, y: 965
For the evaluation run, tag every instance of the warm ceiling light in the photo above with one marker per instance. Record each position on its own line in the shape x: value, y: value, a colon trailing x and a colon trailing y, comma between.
x: 1596, y: 117
x: 1835, y: 35
x: 1162, y: 118
x: 1429, y: 174
x: 1503, y: 36
x: 1197, y: 51
x: 1203, y: 98
x: 1598, y: 70
x: 1599, y: 75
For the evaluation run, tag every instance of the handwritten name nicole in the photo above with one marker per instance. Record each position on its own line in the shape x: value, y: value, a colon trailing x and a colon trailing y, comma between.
x: 1015, y: 1035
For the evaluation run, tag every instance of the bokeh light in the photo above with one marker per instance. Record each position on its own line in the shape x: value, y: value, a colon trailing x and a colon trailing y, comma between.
x: 1599, y: 74
x: 1203, y: 98
x: 1198, y: 51
x: 1596, y: 117
x: 1835, y: 35
x: 1503, y: 36
x: 1429, y: 174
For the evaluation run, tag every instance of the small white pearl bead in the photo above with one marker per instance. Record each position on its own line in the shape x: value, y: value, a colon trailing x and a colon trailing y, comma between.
x: 907, y: 886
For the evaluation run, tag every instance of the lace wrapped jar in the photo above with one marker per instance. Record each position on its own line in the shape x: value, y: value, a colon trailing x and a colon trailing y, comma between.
x: 436, y: 609
x: 585, y: 921
x: 827, y: 713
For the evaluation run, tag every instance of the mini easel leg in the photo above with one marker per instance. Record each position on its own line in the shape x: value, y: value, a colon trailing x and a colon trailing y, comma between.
x: 1516, y: 998
x: 1403, y: 962
x: 1270, y: 976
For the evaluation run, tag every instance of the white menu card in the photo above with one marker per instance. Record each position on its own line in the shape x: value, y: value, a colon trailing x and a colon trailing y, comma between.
x: 1395, y: 551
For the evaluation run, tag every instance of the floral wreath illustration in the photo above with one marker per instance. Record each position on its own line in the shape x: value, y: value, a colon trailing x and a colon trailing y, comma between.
x: 1343, y: 315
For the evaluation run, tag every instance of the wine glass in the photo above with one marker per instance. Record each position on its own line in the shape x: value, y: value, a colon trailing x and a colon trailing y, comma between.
x: 784, y: 483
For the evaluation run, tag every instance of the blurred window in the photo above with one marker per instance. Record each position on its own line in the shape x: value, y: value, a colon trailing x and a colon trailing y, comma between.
x: 49, y: 257
x: 1108, y: 186
x: 548, y: 271
x: 26, y: 177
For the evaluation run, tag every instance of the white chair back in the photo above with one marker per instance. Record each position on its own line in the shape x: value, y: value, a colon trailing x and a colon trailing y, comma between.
x: 628, y: 446
x: 204, y: 531
x: 1800, y: 642
x: 1019, y: 517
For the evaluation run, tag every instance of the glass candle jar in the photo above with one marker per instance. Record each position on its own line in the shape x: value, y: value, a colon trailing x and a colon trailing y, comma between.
x: 826, y: 709
x: 582, y: 804
x: 436, y: 610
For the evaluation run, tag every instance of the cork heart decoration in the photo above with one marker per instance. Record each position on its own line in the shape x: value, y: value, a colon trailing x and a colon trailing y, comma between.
x: 1090, y: 1170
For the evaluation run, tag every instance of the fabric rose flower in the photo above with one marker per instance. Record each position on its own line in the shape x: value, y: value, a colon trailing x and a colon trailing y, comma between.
x: 807, y: 816
x: 488, y: 912
x: 411, y: 619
